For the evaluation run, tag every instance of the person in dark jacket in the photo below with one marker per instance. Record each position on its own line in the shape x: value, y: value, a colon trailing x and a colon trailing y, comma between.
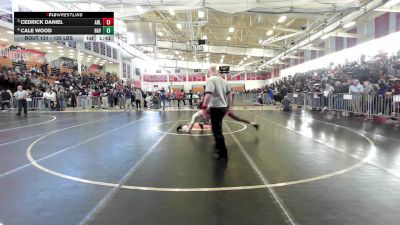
x: 5, y: 99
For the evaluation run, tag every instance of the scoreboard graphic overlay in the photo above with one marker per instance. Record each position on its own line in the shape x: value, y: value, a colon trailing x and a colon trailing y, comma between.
x: 63, y: 26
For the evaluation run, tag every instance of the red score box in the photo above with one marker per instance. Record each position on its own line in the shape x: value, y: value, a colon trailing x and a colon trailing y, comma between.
x: 108, y: 21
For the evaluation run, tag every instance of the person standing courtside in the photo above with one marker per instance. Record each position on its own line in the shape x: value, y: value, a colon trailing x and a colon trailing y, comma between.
x: 21, y: 96
x: 219, y: 99
x: 138, y: 98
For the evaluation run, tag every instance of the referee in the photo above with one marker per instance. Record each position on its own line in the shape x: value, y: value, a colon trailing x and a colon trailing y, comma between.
x: 219, y: 100
x: 21, y: 96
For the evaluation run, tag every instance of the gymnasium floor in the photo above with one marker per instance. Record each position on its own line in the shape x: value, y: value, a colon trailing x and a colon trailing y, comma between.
x: 111, y: 168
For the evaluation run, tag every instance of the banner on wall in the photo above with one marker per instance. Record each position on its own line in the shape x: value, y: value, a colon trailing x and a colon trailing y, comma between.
x: 6, y: 14
x: 154, y: 78
x: 18, y: 54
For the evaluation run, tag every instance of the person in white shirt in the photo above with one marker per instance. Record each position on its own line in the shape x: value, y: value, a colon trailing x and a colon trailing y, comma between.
x: 21, y: 96
x: 357, y: 90
x: 329, y: 89
x: 50, y: 98
x: 138, y: 98
x: 218, y: 99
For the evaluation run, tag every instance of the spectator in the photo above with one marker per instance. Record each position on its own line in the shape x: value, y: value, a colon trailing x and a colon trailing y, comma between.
x: 138, y: 97
x: 21, y: 96
x: 5, y: 99
x: 163, y: 97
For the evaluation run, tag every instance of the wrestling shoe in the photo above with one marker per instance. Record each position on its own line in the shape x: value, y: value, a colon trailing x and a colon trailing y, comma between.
x: 186, y: 130
x: 179, y: 128
x: 255, y: 125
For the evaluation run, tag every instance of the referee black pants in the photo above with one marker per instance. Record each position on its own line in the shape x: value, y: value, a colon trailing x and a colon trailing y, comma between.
x: 217, y: 114
x: 22, y: 103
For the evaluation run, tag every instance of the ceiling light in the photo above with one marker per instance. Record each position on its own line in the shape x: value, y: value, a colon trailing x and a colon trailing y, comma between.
x: 228, y: 38
x: 187, y: 42
x: 204, y: 36
x: 350, y: 24
x: 81, y: 53
x: 309, y: 45
x: 37, y: 48
x: 200, y: 14
x: 171, y: 12
x: 207, y: 59
x: 208, y: 54
x: 71, y: 50
x: 33, y: 43
x: 139, y: 8
x: 194, y: 57
x: 283, y: 57
x: 195, y: 60
x: 46, y: 43
x: 256, y: 71
x: 110, y: 62
x: 3, y: 39
x: 245, y: 58
x: 60, y: 50
x: 61, y: 54
x: 50, y: 51
x: 97, y: 58
x: 294, y: 52
x: 231, y: 29
x: 10, y: 32
x: 391, y: 3
x: 222, y: 56
x: 59, y: 47
x: 48, y: 47
x: 177, y: 52
x: 160, y: 33
x: 179, y: 26
x: 325, y: 36
x: 22, y: 44
x: 270, y: 32
x: 282, y: 19
x: 89, y: 56
x: 273, y: 27
x: 260, y: 41
x: 221, y: 61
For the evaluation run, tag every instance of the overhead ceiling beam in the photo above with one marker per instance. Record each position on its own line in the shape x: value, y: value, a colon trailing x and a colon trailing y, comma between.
x: 164, y: 24
x: 232, y: 50
x: 220, y: 42
x: 346, y: 35
x: 273, y: 39
x: 313, y: 48
x: 212, y: 33
x: 218, y: 26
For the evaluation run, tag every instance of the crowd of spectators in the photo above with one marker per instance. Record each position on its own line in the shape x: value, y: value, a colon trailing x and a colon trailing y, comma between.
x: 83, y: 91
x: 376, y: 76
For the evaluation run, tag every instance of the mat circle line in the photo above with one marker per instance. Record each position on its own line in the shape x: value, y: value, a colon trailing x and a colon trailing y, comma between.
x: 213, y: 189
x: 32, y: 125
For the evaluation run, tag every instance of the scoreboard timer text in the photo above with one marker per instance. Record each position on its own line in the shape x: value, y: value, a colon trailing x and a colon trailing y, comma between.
x: 63, y: 26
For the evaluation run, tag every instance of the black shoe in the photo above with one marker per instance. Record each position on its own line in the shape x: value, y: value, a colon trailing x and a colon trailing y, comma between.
x: 179, y: 128
x: 18, y: 114
x: 256, y: 126
x: 201, y: 126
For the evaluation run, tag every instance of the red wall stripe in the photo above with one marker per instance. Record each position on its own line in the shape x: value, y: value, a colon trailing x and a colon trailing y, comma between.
x: 397, y: 21
x: 339, y: 43
x: 382, y: 25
